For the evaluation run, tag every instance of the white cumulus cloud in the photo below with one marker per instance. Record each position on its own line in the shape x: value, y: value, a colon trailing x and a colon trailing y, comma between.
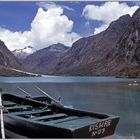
x: 107, y: 13
x: 48, y: 27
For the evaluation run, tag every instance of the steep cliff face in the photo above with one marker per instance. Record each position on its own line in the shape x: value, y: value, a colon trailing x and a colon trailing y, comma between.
x: 44, y: 60
x: 9, y: 65
x: 128, y: 48
x: 88, y: 55
x: 124, y: 59
x: 7, y: 58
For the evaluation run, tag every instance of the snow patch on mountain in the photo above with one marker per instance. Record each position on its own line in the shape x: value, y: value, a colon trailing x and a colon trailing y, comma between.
x: 23, y: 53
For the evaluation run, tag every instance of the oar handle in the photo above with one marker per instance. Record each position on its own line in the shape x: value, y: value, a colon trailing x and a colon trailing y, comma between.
x: 28, y: 94
x: 46, y: 94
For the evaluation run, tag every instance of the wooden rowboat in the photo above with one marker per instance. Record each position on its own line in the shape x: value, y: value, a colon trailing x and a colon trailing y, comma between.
x: 28, y: 118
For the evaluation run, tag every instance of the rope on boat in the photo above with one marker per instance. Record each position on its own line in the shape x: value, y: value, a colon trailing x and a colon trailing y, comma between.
x: 1, y: 118
x: 57, y: 102
x: 28, y: 95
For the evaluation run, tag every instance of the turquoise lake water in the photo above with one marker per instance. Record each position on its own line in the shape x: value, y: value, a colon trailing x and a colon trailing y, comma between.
x: 109, y: 95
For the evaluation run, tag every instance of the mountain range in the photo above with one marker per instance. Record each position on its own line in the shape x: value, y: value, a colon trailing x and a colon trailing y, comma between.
x: 45, y: 60
x: 113, y: 52
x: 91, y: 55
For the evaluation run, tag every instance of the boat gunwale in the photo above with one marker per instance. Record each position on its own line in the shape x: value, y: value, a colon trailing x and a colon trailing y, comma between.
x: 62, y: 107
x: 24, y: 98
x: 95, y: 114
x: 47, y: 123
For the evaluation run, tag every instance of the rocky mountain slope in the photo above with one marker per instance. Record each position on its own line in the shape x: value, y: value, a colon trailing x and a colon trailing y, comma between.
x: 89, y: 56
x: 7, y: 58
x: 9, y: 65
x: 44, y: 60
x: 128, y: 48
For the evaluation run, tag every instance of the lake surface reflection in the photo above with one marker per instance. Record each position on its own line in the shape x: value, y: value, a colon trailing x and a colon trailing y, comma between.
x: 99, y: 94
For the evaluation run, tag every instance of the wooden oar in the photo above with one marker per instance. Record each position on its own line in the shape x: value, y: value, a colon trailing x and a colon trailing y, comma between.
x: 1, y: 118
x: 46, y: 94
x: 28, y: 94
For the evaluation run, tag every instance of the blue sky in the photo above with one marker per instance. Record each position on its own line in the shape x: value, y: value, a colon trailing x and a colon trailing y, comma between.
x: 17, y: 16
x: 22, y: 22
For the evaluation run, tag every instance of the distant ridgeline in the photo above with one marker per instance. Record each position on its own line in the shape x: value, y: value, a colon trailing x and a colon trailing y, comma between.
x: 113, y: 52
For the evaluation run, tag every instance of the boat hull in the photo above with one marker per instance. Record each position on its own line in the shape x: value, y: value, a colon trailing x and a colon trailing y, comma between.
x: 97, y: 126
x: 33, y: 129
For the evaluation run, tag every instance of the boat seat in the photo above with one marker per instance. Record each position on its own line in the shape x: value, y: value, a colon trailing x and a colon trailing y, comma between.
x: 63, y: 120
x: 32, y: 112
x: 19, y: 108
x: 50, y: 117
x: 8, y: 103
x: 74, y: 123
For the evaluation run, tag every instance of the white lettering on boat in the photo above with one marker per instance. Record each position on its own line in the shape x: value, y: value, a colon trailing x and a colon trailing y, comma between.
x: 98, y: 132
x: 99, y: 128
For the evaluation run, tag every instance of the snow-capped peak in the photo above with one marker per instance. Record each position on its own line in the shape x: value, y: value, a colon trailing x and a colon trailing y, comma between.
x: 23, y: 53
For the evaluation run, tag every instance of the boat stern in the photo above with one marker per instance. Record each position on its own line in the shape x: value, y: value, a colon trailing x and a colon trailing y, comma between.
x: 98, y: 129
